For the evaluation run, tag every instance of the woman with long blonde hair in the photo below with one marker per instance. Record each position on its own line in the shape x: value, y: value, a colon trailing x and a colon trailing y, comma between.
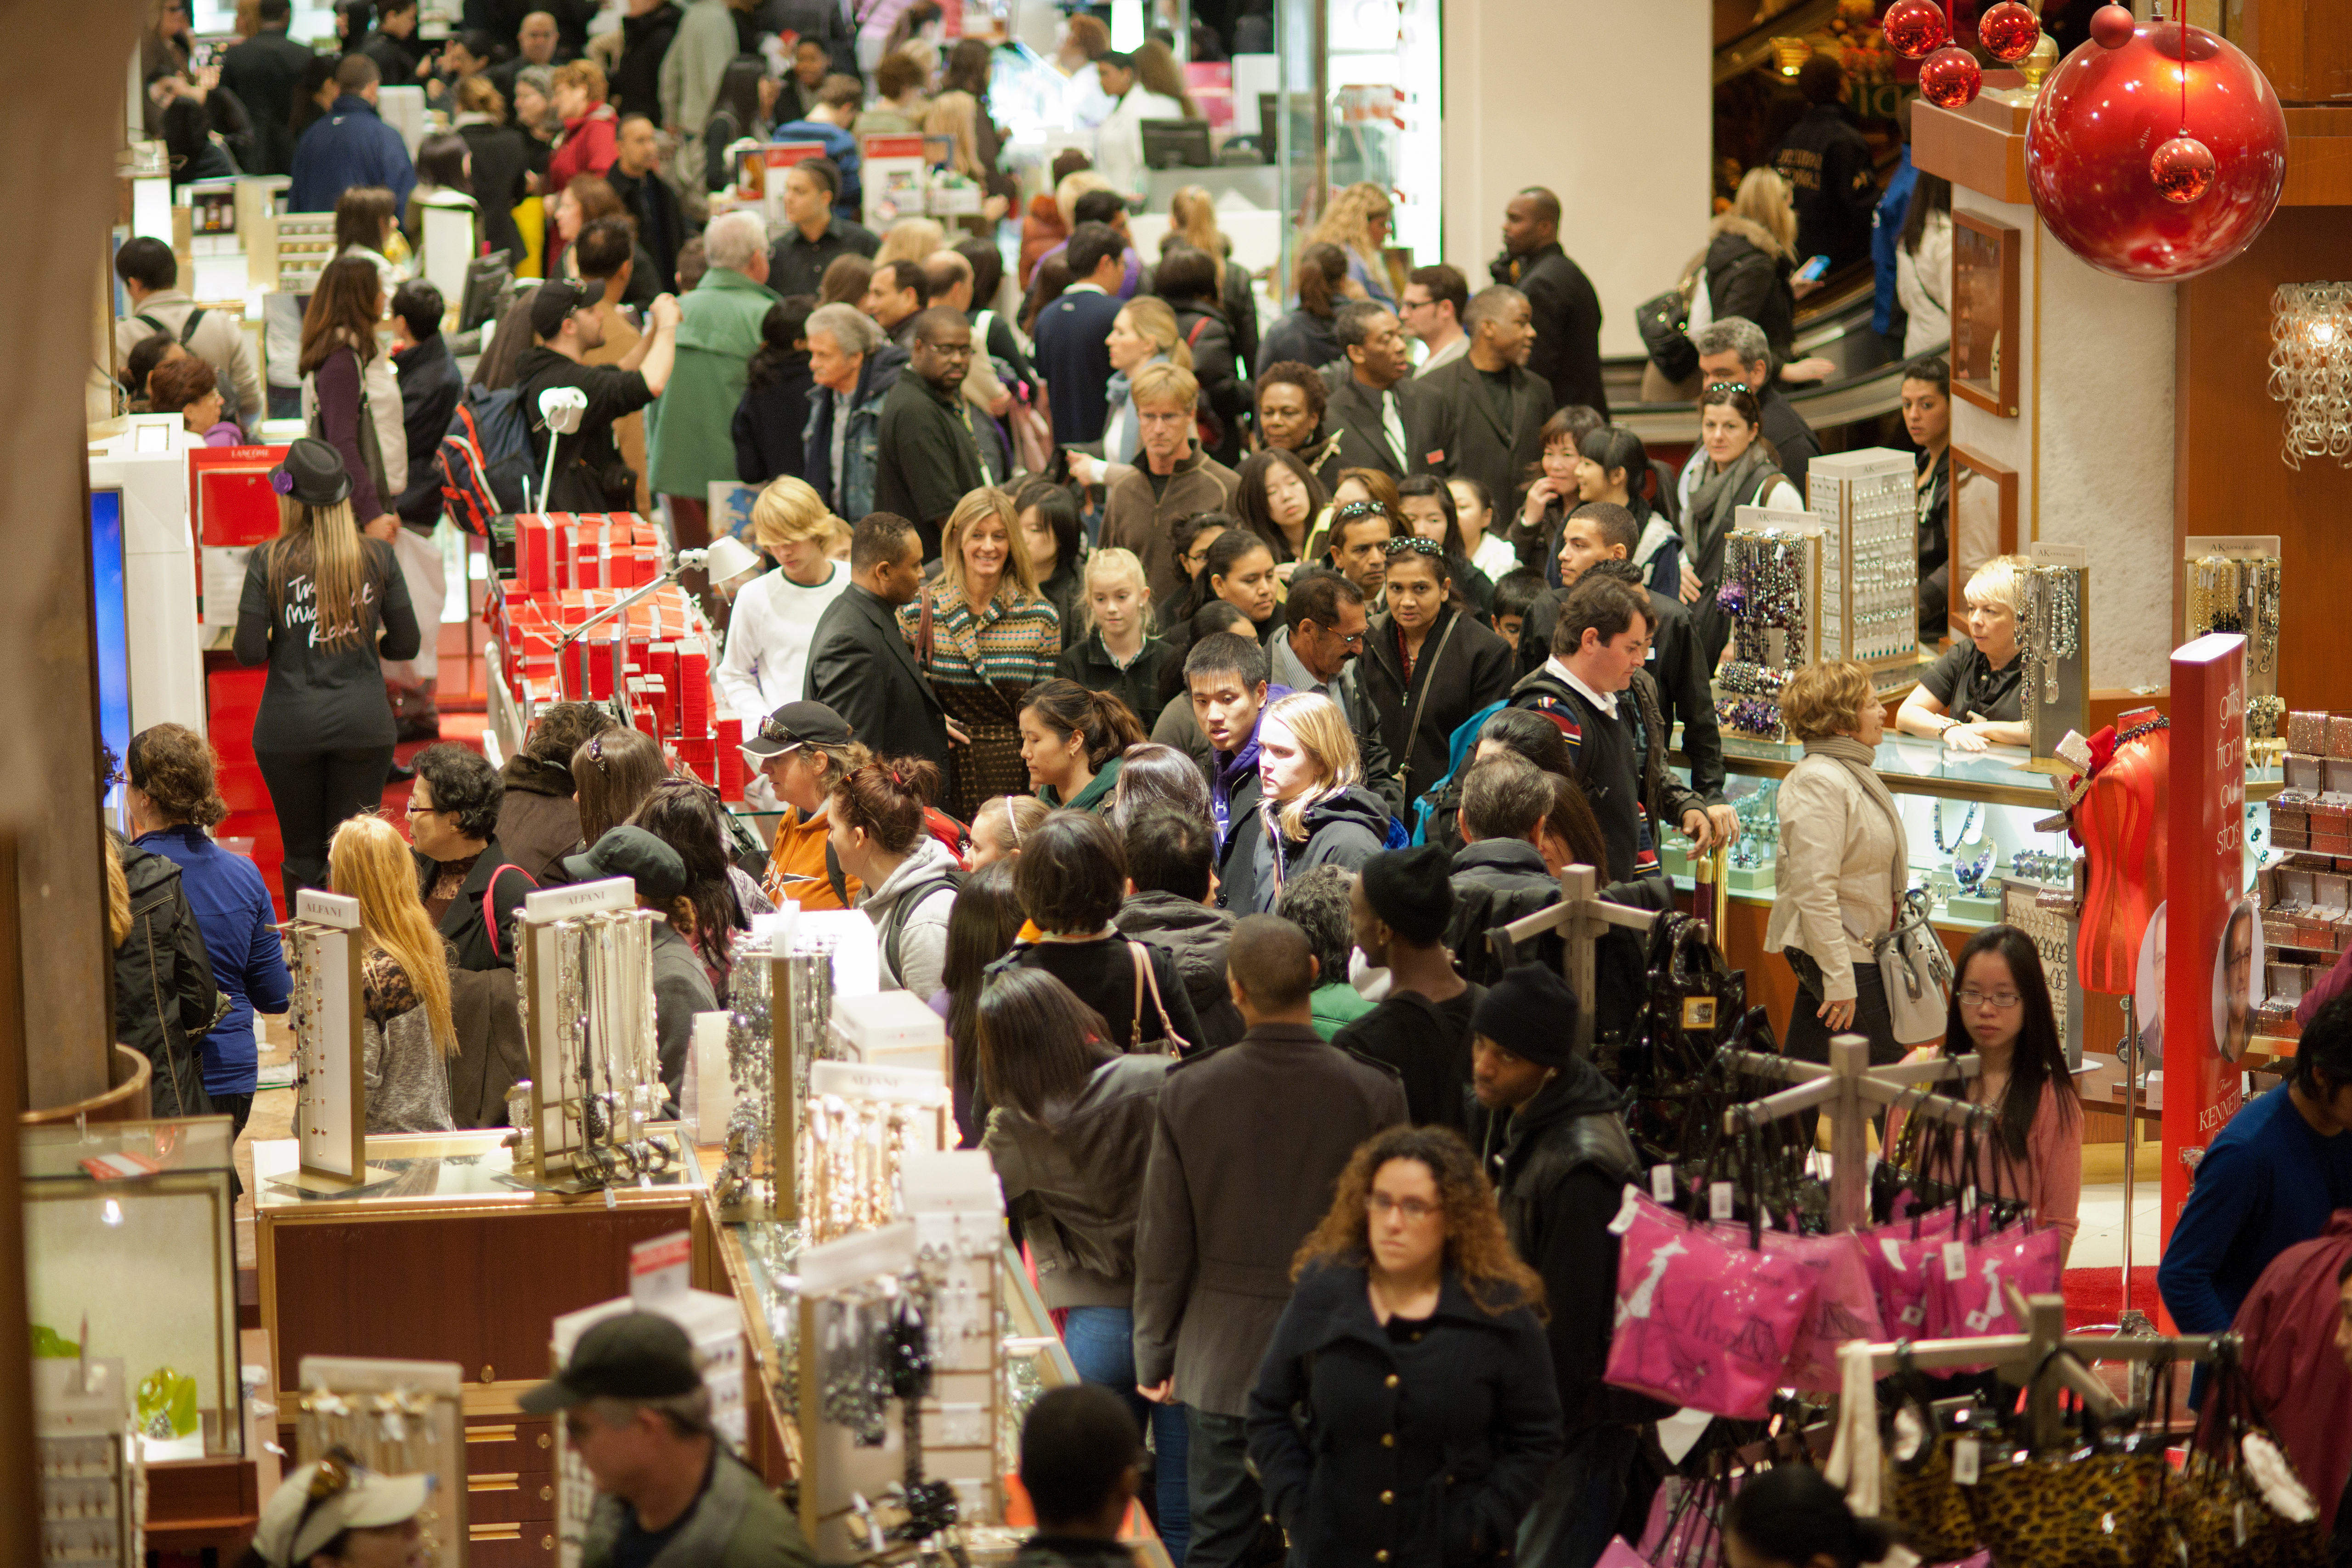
x: 407, y: 1034
x: 910, y: 239
x: 1143, y: 332
x: 1360, y: 220
x: 1751, y: 267
x: 984, y: 635
x: 324, y: 608
x: 1313, y: 808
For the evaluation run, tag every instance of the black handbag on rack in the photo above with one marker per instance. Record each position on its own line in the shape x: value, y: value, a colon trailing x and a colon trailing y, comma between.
x: 1692, y: 1009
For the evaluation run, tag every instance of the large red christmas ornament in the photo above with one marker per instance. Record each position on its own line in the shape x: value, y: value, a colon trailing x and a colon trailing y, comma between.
x: 1915, y: 29
x: 2008, y: 31
x: 1949, y: 77
x: 2182, y: 169
x: 2095, y: 126
x: 2111, y: 27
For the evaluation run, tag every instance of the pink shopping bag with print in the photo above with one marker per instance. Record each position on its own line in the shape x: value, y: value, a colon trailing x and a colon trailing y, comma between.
x: 1701, y: 1324
x: 1844, y: 1306
x: 1964, y: 1279
x: 1897, y: 1257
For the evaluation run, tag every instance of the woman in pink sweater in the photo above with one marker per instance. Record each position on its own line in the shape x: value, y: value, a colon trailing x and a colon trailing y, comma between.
x: 2001, y: 1011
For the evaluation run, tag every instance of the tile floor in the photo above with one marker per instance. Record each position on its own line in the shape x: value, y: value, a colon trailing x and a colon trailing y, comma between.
x: 2100, y: 1242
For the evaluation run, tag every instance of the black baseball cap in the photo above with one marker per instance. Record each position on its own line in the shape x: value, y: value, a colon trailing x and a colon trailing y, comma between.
x: 553, y: 302
x: 637, y: 1355
x: 634, y: 853
x: 798, y: 724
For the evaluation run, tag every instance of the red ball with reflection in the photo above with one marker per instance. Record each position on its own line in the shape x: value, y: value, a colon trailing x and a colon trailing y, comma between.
x: 2111, y: 27
x: 1915, y: 29
x: 1949, y: 77
x: 2008, y: 31
x: 2091, y: 142
x: 2182, y: 169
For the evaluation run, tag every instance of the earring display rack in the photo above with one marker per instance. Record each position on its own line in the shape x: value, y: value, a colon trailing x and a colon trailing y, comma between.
x: 861, y: 1123
x: 329, y: 1089
x: 2045, y: 910
x: 1773, y: 575
x: 397, y: 1418
x: 584, y: 975
x: 2236, y: 583
x: 93, y: 1483
x: 1867, y: 504
x: 2053, y: 628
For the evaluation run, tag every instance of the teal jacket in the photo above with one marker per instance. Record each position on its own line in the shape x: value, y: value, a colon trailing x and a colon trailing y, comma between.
x: 690, y: 429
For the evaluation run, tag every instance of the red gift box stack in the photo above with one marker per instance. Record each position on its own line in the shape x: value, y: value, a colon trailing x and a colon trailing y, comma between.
x: 568, y: 568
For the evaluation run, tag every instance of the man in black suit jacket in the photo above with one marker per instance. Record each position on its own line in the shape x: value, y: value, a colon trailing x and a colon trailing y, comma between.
x: 265, y: 71
x: 1073, y: 334
x: 1485, y: 408
x: 1377, y: 408
x: 859, y: 664
x: 1566, y: 311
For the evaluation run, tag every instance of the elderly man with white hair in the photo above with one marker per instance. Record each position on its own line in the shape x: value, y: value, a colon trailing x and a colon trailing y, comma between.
x: 855, y: 365
x: 688, y: 440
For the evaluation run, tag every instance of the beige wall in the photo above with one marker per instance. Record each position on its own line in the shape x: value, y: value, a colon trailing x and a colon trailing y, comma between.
x: 1607, y: 103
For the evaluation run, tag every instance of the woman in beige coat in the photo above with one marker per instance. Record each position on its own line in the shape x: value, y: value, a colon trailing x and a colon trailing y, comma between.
x: 1843, y: 862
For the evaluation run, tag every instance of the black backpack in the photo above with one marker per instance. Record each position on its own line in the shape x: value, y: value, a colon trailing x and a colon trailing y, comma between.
x: 894, y: 924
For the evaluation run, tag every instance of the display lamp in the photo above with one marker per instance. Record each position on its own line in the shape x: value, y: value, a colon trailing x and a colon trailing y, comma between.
x: 1790, y: 55
x: 2311, y: 369
x: 1916, y: 28
x: 2008, y: 31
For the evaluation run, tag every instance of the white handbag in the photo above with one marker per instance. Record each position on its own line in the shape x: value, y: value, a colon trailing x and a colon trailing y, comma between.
x: 1917, y: 973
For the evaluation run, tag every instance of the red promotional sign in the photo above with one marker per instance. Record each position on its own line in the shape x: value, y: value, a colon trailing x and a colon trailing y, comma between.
x: 229, y: 498
x: 2209, y: 920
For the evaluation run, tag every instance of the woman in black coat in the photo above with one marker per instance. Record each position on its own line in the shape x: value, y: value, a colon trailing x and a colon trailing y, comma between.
x: 1405, y: 1413
x: 1187, y: 279
x: 501, y: 163
x: 1457, y: 667
x: 773, y: 414
x: 165, y: 998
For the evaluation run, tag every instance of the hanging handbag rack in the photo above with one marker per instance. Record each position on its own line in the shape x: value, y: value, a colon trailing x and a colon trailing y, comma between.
x: 1581, y: 917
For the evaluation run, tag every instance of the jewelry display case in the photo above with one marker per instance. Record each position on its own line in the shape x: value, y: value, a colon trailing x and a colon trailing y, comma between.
x: 2234, y: 583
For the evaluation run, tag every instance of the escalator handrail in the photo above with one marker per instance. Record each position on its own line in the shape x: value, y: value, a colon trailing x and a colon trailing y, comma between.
x: 1824, y: 406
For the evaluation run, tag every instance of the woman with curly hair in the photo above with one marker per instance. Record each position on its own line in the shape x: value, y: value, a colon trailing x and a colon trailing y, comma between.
x: 1415, y: 1337
x: 1359, y: 221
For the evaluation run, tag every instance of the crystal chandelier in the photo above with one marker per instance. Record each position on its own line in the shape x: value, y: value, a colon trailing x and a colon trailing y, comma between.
x: 2311, y: 369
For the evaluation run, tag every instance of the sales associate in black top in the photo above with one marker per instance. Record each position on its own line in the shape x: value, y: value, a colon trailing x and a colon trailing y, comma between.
x: 1970, y: 696
x: 322, y: 607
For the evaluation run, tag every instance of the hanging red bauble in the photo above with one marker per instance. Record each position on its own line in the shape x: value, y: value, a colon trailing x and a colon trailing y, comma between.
x: 2096, y: 119
x: 1949, y: 77
x: 2112, y: 26
x: 1915, y: 29
x: 2182, y: 169
x: 2008, y: 31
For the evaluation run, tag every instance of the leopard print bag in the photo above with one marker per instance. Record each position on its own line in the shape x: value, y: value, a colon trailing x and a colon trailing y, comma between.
x: 2238, y: 1503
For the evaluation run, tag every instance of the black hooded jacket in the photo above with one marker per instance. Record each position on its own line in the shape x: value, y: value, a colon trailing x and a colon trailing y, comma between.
x: 165, y: 998
x: 1345, y: 830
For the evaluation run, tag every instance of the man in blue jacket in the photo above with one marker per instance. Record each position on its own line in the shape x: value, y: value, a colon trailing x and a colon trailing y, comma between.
x: 837, y: 104
x: 351, y: 146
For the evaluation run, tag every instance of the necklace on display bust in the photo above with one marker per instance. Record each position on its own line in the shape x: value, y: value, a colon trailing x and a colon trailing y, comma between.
x: 1967, y: 824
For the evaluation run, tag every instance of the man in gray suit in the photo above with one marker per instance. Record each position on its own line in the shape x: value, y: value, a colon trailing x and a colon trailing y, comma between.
x: 1248, y: 1142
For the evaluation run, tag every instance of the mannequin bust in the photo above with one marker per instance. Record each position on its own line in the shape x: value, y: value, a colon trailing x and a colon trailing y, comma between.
x: 2119, y: 821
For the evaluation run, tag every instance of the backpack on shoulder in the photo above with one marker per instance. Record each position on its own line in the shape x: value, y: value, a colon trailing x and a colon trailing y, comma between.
x: 485, y: 460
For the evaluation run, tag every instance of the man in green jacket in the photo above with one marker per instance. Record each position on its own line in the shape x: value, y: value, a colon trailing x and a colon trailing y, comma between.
x: 688, y: 431
x: 669, y: 1494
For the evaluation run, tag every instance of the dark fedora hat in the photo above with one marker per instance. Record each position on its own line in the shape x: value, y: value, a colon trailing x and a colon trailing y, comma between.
x: 312, y: 473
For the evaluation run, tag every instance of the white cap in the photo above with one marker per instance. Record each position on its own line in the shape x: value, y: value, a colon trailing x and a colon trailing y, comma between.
x: 321, y: 1501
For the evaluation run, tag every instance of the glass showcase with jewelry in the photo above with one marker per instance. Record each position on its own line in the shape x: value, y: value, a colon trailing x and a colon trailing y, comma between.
x: 2233, y: 584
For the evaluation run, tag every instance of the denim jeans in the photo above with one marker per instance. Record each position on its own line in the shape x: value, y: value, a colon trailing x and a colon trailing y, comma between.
x: 1576, y: 1512
x: 1101, y: 1343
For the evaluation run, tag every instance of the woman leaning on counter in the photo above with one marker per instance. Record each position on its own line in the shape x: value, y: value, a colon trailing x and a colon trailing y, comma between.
x: 1969, y: 697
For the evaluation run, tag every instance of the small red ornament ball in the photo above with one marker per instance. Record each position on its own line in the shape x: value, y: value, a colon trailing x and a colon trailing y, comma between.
x: 1916, y: 28
x: 1949, y: 77
x: 2008, y: 31
x: 2182, y: 169
x: 2111, y: 27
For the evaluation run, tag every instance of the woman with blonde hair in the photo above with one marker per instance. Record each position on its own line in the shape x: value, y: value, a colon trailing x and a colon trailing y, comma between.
x: 1751, y: 258
x: 1845, y: 861
x: 1143, y: 332
x: 1359, y: 221
x: 1971, y: 696
x: 983, y: 634
x: 1313, y: 808
x: 774, y: 620
x: 407, y: 1035
x: 591, y: 125
x: 324, y: 608
x: 910, y: 239
x: 501, y: 163
x: 1000, y: 825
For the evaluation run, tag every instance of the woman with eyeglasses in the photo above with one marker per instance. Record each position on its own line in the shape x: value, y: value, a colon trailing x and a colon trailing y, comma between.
x: 1427, y: 664
x: 1736, y: 467
x: 2002, y: 1011
x: 1412, y: 1336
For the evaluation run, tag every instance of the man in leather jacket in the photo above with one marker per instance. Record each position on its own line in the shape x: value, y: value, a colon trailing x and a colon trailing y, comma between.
x: 1560, y: 1158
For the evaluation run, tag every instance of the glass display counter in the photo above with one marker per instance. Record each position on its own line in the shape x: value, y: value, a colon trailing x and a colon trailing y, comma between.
x: 130, y: 1252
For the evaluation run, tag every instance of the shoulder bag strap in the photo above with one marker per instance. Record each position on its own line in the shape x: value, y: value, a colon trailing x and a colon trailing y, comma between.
x: 923, y: 634
x: 188, y: 326
x: 1177, y: 1044
x: 153, y: 324
x: 832, y: 873
x: 1412, y: 724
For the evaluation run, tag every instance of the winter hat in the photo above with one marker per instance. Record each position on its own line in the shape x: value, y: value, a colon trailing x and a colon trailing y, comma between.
x: 1530, y: 1013
x: 1411, y: 890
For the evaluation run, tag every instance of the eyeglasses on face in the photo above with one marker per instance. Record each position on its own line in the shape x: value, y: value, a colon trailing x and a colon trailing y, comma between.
x: 1999, y: 1001
x: 1378, y: 1204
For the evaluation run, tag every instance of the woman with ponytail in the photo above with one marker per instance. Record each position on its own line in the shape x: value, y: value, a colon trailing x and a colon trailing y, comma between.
x: 323, y: 608
x: 406, y: 1035
x: 878, y: 835
x: 1072, y: 740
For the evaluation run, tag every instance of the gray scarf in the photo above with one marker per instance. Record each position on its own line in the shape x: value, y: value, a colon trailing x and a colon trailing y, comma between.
x: 1860, y: 760
x: 1714, y: 502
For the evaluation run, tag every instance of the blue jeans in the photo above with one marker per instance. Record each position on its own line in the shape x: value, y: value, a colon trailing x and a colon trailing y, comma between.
x: 1575, y: 1514
x: 1101, y: 1343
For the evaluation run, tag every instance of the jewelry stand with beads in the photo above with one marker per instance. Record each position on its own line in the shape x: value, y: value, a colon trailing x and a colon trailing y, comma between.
x: 397, y: 1418
x: 1867, y: 503
x: 859, y: 1125
x: 584, y: 975
x: 329, y: 1088
x: 1771, y: 582
x: 2233, y: 583
x: 2053, y: 628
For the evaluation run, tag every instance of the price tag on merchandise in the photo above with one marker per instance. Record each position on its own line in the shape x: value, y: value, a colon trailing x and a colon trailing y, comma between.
x: 1625, y: 1213
x: 1662, y: 1183
x: 1719, y: 1201
x: 1956, y: 1261
x: 1966, y: 1461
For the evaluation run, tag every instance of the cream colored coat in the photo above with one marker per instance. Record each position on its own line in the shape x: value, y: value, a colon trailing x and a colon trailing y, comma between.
x: 1842, y: 854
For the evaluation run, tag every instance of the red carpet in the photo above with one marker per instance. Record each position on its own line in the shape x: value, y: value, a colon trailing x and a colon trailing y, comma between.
x: 2096, y: 1295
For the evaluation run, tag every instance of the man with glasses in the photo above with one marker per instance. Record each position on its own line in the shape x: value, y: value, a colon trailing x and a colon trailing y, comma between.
x: 1323, y: 622
x: 1175, y: 479
x: 928, y: 459
x: 670, y: 1493
x: 1430, y: 311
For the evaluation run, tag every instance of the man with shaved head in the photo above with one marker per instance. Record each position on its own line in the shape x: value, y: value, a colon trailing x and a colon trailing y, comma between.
x: 1566, y: 311
x: 1246, y: 1144
x: 928, y: 456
